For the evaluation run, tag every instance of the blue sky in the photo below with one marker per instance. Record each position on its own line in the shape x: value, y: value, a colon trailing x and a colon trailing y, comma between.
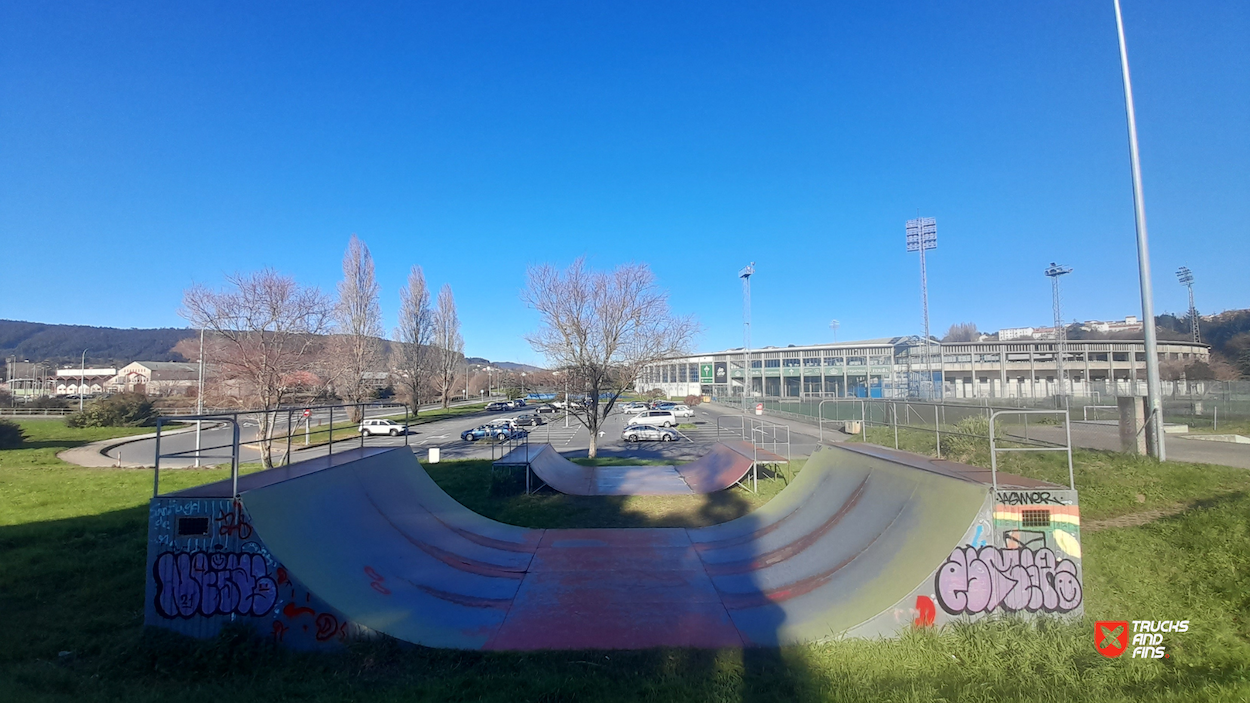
x: 144, y: 147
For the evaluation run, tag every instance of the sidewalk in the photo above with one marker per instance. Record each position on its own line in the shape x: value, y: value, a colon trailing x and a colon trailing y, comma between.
x: 96, y: 454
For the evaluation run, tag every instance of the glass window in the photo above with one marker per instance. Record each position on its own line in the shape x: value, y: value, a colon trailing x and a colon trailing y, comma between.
x: 790, y: 362
x: 811, y: 361
x: 755, y: 363
x: 833, y: 361
x: 772, y: 363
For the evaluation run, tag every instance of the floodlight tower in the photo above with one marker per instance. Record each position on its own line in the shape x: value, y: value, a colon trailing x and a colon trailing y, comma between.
x: 745, y: 274
x: 1186, y: 277
x: 922, y: 236
x: 834, y: 325
x: 1054, y: 271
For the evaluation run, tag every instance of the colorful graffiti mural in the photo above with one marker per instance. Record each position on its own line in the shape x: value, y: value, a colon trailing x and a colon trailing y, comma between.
x: 976, y: 581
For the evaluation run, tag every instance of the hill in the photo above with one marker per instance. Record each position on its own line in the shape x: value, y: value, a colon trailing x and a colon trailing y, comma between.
x: 64, y: 344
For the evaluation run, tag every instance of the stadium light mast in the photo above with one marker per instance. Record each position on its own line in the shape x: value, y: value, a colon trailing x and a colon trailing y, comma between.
x: 1054, y: 271
x: 1154, y: 389
x: 745, y: 274
x: 922, y: 236
x: 1186, y: 277
x: 834, y: 325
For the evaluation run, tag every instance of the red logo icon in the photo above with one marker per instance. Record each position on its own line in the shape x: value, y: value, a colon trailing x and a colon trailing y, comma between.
x: 1111, y: 637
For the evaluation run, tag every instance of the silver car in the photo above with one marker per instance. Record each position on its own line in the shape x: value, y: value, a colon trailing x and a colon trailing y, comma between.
x: 648, y: 433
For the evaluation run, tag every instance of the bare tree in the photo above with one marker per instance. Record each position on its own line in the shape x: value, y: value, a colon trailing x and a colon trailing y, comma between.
x: 601, y: 329
x: 414, y: 335
x: 357, y: 346
x: 448, y: 345
x: 962, y: 332
x: 265, y: 328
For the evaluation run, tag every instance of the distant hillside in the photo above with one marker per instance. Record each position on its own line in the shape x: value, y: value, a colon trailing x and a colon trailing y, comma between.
x: 63, y: 344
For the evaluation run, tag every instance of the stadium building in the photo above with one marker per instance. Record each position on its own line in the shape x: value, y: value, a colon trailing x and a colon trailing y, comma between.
x: 898, y: 367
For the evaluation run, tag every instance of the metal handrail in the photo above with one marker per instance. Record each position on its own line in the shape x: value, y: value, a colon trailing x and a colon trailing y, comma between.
x: 994, y: 449
x: 1085, y: 410
x: 234, y: 419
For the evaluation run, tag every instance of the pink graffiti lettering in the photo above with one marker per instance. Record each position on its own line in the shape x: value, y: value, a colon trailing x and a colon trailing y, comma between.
x: 976, y: 581
x: 200, y: 583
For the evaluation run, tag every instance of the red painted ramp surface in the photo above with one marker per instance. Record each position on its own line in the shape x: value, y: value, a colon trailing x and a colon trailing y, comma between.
x: 380, y: 542
x: 726, y: 464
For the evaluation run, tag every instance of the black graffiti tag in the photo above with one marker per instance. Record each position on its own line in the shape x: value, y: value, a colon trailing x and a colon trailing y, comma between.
x: 202, y: 583
x: 1028, y: 498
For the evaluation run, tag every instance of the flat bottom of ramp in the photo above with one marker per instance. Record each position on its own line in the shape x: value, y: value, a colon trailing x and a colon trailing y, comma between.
x: 640, y: 481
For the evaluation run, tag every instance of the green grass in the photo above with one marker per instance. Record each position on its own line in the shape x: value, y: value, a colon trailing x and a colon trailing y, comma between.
x: 72, y: 542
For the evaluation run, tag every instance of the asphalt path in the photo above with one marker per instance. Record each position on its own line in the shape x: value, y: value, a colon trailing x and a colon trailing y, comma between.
x: 712, y: 423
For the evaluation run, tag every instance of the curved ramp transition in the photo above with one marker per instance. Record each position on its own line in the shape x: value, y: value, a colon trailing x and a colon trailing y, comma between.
x: 379, y: 541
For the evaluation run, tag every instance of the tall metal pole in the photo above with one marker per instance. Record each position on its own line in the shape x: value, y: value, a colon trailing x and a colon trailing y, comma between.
x: 1154, y: 389
x: 199, y: 406
x: 745, y: 274
x: 922, y: 235
x: 1054, y: 271
x: 82, y: 376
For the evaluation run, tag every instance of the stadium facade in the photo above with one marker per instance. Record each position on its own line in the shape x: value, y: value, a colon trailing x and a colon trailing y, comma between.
x: 897, y: 367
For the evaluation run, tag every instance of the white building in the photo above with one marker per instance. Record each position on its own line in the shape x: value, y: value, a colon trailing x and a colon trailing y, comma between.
x: 1010, y: 333
x: 82, y: 381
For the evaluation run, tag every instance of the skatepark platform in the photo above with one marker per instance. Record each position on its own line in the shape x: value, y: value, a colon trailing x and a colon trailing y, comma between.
x: 863, y: 542
x: 726, y: 465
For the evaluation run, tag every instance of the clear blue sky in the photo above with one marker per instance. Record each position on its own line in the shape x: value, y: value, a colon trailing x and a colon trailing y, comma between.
x: 147, y: 146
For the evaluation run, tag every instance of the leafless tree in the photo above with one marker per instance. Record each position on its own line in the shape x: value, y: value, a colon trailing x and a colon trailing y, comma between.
x: 414, y: 335
x: 448, y: 345
x: 265, y: 328
x: 357, y: 346
x: 601, y: 329
x: 962, y: 332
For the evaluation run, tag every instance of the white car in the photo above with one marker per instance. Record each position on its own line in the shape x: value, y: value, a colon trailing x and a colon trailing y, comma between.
x: 639, y: 433
x: 681, y: 411
x: 659, y: 418
x: 386, y: 427
x: 635, y: 407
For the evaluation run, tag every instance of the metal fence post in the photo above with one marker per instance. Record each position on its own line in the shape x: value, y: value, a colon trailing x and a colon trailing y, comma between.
x: 330, y: 444
x: 234, y: 464
x: 156, y: 463
x: 894, y: 415
x: 937, y: 432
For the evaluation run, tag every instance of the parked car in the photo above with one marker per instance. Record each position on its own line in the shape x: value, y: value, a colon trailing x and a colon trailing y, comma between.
x: 640, y: 433
x: 386, y: 427
x: 662, y: 418
x: 527, y: 420
x: 680, y: 410
x: 518, y: 403
x: 636, y: 407
x: 545, y: 409
x: 499, y: 431
x: 498, y: 405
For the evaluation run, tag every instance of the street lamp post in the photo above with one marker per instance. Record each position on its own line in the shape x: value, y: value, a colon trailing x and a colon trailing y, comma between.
x: 199, y: 402
x: 745, y: 274
x: 82, y: 376
x: 1154, y: 388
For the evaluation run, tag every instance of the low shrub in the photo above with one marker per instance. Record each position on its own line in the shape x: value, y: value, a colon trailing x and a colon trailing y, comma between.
x: 693, y: 400
x: 121, y: 410
x: 11, y: 435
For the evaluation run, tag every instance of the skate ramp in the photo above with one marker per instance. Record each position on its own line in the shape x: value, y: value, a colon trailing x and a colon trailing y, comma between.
x: 844, y: 543
x: 725, y: 465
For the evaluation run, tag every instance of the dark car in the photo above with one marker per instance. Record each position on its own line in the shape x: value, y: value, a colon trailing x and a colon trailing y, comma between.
x: 499, y: 405
x: 499, y: 431
x: 546, y: 409
x: 518, y: 403
x: 527, y: 420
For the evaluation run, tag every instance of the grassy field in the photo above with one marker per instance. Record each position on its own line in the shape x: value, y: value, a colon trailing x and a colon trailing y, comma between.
x: 71, y: 589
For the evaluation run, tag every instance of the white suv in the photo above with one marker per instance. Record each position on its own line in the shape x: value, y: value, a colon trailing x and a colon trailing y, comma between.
x: 659, y: 418
x: 387, y: 427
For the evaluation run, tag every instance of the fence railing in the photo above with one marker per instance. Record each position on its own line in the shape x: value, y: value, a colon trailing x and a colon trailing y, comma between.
x: 267, y: 422
x: 995, y: 449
